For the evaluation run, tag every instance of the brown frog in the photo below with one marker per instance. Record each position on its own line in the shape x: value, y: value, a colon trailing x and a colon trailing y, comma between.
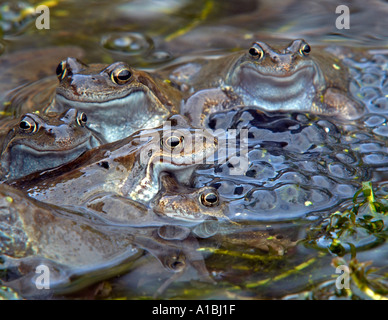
x: 201, y: 207
x: 107, y: 179
x: 78, y: 251
x: 118, y: 99
x: 34, y: 228
x: 185, y: 203
x: 291, y: 78
x: 42, y: 141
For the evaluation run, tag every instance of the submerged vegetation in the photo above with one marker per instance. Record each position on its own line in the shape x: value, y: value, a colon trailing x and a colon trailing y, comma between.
x: 347, y: 233
x: 334, y: 241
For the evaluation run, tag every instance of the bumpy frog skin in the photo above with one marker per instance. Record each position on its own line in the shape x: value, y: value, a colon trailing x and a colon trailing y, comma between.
x: 291, y: 79
x: 40, y: 142
x: 118, y: 99
x: 38, y: 229
x: 75, y: 247
x: 277, y: 80
x: 106, y: 178
x: 294, y: 77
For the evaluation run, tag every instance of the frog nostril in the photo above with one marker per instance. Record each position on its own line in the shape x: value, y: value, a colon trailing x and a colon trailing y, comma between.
x: 275, y: 58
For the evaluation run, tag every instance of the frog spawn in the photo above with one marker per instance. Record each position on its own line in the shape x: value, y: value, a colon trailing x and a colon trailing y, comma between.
x: 296, y: 165
x: 368, y: 135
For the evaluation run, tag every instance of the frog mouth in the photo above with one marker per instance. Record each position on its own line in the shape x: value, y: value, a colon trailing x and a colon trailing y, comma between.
x: 26, y: 159
x: 278, y: 91
x: 103, y: 100
x: 185, y: 217
x: 60, y: 149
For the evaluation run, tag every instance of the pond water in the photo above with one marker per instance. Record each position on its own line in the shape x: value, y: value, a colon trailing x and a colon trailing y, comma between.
x: 314, y: 195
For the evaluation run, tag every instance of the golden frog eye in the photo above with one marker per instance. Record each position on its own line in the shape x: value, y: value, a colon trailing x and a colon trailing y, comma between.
x: 305, y: 49
x: 173, y: 142
x: 121, y: 76
x: 256, y: 52
x: 82, y: 119
x: 209, y: 199
x: 61, y: 70
x: 28, y: 126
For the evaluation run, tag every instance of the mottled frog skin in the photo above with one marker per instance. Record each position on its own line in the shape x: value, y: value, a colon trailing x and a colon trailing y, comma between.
x: 118, y: 99
x: 105, y: 179
x: 292, y: 77
x: 33, y: 228
x: 42, y: 141
x: 77, y: 250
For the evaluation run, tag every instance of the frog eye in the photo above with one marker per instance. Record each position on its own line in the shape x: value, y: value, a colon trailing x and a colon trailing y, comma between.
x: 209, y: 199
x: 61, y: 70
x: 121, y: 76
x: 256, y: 52
x: 305, y: 49
x: 173, y: 142
x: 28, y: 126
x: 82, y: 119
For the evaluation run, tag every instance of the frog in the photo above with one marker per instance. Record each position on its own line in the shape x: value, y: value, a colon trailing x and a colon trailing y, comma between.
x: 188, y: 204
x: 119, y: 99
x: 38, y: 142
x: 27, y: 78
x: 70, y: 246
x: 108, y: 178
x: 286, y: 78
x: 37, y: 228
x: 197, y: 211
x: 78, y: 251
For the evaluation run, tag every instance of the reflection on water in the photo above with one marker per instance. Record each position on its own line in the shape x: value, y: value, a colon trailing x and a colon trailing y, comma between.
x: 294, y: 205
